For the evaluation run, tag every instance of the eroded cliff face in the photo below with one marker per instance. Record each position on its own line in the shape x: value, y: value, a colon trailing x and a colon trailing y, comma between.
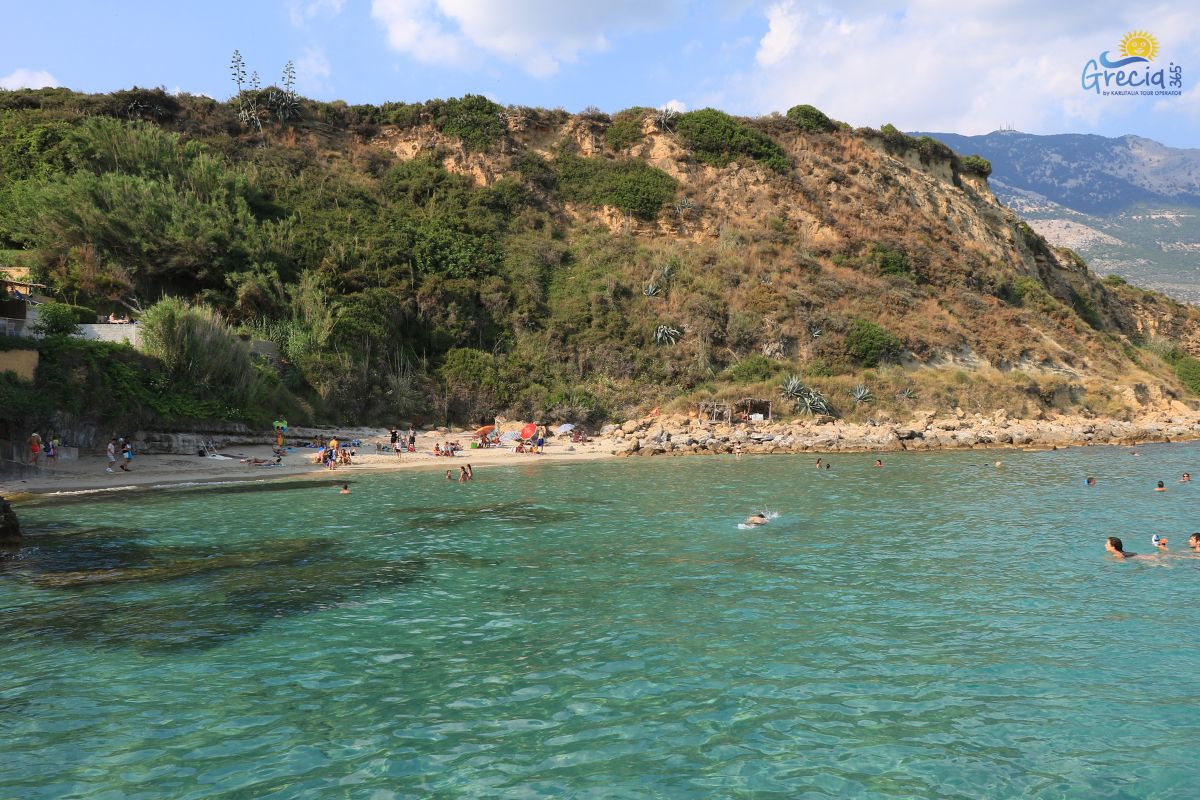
x: 980, y: 290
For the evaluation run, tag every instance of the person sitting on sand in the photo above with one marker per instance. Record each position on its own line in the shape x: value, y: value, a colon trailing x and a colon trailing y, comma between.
x: 1159, y: 487
x: 345, y: 489
x: 1160, y: 542
x: 758, y: 518
x: 1114, y: 546
x: 437, y: 449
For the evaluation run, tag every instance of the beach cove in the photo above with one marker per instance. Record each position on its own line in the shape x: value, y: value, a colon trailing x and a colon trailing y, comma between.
x: 935, y: 627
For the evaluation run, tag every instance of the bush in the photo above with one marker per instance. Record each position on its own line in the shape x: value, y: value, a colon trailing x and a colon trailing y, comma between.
x: 626, y: 128
x: 474, y: 119
x: 889, y: 261
x: 631, y: 185
x: 752, y: 369
x: 976, y: 165
x: 198, y: 349
x: 810, y: 118
x: 1114, y: 280
x: 1187, y: 369
x: 61, y: 319
x: 717, y: 138
x: 869, y: 344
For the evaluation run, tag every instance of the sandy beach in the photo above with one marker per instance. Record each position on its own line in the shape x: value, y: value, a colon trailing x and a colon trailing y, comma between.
x: 147, y: 471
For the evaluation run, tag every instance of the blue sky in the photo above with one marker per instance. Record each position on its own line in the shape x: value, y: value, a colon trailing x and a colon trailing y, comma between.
x: 921, y: 65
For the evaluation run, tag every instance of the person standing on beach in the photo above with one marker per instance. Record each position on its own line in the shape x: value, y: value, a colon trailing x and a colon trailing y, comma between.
x: 35, y: 448
x: 127, y: 455
x: 395, y: 436
x: 412, y: 440
x: 541, y: 439
x: 111, y: 452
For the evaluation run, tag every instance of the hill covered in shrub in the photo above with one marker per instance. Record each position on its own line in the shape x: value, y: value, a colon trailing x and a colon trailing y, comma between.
x: 454, y: 259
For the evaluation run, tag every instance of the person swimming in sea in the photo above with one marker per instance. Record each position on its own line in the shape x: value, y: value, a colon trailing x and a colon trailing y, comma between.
x: 1114, y: 546
x: 1090, y: 481
x: 345, y: 489
x: 1159, y: 542
x: 819, y: 463
x: 1186, y: 478
x: 759, y: 518
x: 1159, y: 487
x: 1194, y: 541
x: 879, y: 462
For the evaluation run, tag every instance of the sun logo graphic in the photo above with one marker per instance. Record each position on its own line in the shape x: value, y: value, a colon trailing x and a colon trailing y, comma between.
x: 1139, y: 44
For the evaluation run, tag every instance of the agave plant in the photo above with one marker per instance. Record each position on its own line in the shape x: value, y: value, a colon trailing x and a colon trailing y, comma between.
x: 684, y: 206
x: 815, y: 403
x: 862, y: 394
x: 652, y: 289
x: 815, y: 331
x: 907, y: 393
x: 666, y: 334
x: 666, y: 272
x: 793, y: 388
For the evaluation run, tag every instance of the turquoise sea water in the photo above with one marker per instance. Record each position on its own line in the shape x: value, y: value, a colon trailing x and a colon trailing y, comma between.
x: 936, y: 628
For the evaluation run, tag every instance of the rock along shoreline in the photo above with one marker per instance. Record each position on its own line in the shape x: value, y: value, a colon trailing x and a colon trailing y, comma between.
x: 682, y: 435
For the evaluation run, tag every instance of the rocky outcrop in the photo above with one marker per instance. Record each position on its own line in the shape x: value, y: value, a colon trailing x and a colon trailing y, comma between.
x: 680, y: 435
x: 10, y: 528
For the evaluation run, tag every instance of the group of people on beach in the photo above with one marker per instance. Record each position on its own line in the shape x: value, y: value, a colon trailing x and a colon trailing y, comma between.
x: 446, y: 448
x: 37, y: 446
x: 122, y: 446
x: 332, y: 453
x: 399, y: 440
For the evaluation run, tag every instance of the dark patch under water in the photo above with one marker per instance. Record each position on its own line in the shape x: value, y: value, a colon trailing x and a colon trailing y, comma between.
x: 204, y: 596
x: 513, y: 512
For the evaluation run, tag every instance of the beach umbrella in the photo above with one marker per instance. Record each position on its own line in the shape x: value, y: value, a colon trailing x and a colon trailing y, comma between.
x: 566, y: 427
x: 484, y: 431
x: 529, y: 430
x: 509, y: 436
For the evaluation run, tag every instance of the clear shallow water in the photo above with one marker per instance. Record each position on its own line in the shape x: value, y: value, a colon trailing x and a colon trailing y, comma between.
x: 936, y: 628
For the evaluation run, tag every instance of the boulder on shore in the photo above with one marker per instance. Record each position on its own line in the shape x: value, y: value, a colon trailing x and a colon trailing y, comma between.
x: 10, y: 528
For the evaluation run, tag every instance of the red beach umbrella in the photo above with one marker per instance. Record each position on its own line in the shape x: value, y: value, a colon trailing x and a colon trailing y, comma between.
x: 484, y: 431
x: 529, y: 430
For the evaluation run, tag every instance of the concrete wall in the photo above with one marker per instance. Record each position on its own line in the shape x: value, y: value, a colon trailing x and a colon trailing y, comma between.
x: 22, y: 362
x: 130, y: 334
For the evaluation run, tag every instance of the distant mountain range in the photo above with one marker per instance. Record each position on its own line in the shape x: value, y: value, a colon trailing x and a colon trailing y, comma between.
x: 1128, y: 205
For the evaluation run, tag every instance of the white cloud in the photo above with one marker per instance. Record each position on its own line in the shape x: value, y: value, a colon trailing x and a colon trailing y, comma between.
x: 943, y: 65
x: 301, y: 12
x: 28, y: 79
x: 538, y: 36
x: 678, y: 106
x: 312, y: 69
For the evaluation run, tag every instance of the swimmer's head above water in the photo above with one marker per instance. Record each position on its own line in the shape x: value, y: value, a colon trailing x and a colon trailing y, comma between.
x: 1114, y: 546
x: 1159, y: 487
x: 1090, y: 481
x: 1194, y: 541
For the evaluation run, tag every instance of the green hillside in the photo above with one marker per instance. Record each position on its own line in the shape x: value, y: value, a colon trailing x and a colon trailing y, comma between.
x: 454, y: 259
